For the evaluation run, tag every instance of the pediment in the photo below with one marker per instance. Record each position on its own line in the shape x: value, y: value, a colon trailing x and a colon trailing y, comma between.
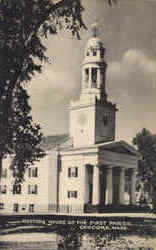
x: 120, y: 147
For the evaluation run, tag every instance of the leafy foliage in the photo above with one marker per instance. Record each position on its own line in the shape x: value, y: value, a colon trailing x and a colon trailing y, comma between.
x: 23, y: 23
x: 70, y: 238
x: 146, y: 144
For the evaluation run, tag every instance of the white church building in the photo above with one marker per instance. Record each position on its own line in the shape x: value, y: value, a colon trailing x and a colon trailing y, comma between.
x: 85, y: 168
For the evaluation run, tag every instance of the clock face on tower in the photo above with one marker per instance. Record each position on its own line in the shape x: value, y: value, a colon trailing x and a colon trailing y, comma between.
x: 81, y: 119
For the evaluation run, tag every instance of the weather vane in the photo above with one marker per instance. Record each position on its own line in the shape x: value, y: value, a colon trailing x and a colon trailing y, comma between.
x: 94, y: 29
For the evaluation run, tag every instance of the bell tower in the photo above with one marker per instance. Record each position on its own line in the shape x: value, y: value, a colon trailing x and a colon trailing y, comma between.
x: 94, y: 68
x: 92, y: 117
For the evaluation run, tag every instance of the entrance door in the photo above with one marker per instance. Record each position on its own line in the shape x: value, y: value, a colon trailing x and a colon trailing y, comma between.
x: 16, y: 207
x: 31, y: 208
x: 103, y: 187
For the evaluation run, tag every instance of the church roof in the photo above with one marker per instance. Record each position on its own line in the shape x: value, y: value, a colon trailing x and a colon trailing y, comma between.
x: 114, y: 146
x: 120, y: 147
x: 52, y: 141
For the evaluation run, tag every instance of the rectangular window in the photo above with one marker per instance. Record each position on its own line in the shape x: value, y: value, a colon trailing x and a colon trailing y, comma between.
x: 4, y: 173
x: 15, y: 207
x: 3, y: 189
x: 32, y: 189
x: 102, y: 53
x: 73, y: 172
x: 31, y: 208
x: 1, y: 205
x: 72, y: 194
x: 33, y: 172
x: 94, y: 53
x: 17, y: 189
x: 14, y: 173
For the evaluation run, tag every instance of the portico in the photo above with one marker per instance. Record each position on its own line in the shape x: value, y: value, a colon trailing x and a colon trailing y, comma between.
x: 109, y: 185
x: 108, y: 178
x: 104, y: 170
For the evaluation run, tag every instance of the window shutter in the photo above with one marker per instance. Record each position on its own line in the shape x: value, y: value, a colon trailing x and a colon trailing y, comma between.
x: 13, y: 189
x: 69, y: 172
x: 35, y: 189
x: 76, y: 171
x: 29, y: 172
x: 36, y: 172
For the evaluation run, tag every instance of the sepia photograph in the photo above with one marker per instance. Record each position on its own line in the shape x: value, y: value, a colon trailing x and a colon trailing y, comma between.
x: 78, y: 124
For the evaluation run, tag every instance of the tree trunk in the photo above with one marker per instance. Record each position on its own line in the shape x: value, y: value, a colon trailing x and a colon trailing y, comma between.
x: 154, y: 194
x: 0, y: 167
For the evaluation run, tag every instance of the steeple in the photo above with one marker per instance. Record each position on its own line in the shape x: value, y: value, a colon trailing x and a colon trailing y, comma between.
x: 92, y: 116
x: 94, y: 67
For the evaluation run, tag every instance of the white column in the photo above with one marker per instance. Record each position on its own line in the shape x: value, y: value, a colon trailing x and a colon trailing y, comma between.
x: 83, y: 78
x: 96, y: 185
x: 90, y: 78
x: 109, y: 186
x: 86, y: 184
x: 133, y: 187
x: 98, y: 78
x: 122, y: 186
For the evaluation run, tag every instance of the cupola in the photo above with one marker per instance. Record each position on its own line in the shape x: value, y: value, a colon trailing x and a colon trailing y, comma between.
x: 94, y: 66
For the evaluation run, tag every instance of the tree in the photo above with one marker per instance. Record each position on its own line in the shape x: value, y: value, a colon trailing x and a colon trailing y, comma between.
x: 146, y: 144
x: 23, y: 23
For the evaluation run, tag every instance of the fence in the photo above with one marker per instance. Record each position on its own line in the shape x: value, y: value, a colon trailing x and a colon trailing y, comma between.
x: 43, y: 209
x: 67, y: 209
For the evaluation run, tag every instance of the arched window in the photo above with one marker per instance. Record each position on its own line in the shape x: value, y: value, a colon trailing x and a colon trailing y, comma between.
x: 102, y: 51
x: 86, y: 75
x: 107, y: 118
x: 94, y: 76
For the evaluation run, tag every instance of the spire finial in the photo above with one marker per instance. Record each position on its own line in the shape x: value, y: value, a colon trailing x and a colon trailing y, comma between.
x: 94, y: 29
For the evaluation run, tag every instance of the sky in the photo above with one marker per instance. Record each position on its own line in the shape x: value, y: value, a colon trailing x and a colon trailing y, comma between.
x: 128, y: 32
